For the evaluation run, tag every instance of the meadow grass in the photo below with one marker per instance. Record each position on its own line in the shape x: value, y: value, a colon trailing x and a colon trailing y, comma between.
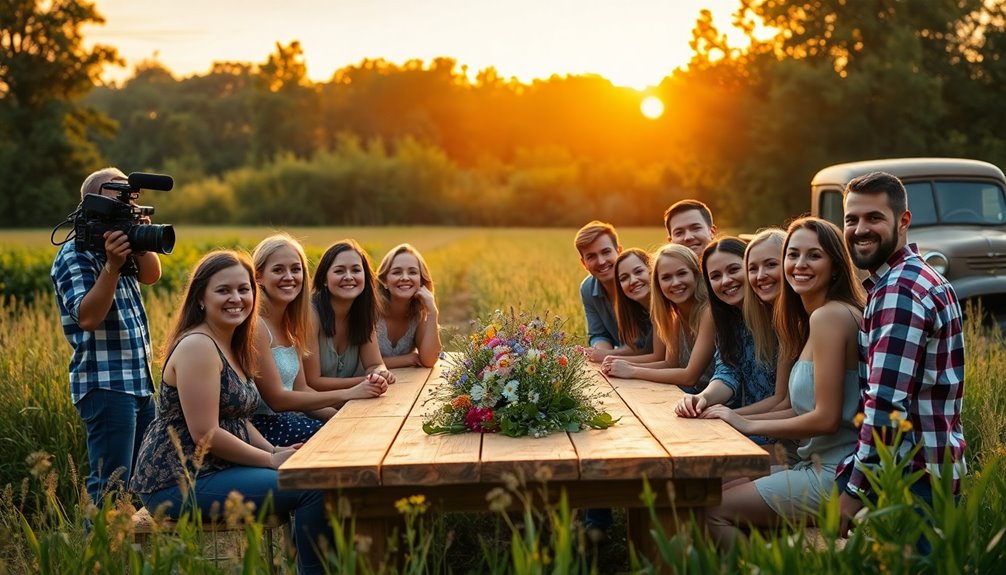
x: 477, y: 270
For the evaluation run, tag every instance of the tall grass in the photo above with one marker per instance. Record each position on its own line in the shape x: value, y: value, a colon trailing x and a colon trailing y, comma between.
x: 42, y: 506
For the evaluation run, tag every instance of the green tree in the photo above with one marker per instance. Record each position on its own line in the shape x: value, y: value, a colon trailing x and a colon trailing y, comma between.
x: 45, y: 133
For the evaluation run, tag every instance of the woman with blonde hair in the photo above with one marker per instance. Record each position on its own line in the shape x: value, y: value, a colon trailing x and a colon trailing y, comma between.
x: 679, y: 309
x: 284, y: 328
x: 408, y: 333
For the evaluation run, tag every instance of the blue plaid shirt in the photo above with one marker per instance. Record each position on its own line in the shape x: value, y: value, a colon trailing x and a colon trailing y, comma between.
x: 116, y: 355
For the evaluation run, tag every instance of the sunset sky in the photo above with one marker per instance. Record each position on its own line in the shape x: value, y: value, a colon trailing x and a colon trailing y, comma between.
x: 632, y: 42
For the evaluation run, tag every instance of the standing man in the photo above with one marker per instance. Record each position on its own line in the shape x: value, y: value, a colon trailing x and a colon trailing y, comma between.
x: 597, y: 244
x: 911, y: 346
x: 104, y: 320
x: 690, y: 223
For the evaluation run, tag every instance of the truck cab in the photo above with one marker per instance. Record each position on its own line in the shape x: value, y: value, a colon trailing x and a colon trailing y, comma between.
x: 958, y: 211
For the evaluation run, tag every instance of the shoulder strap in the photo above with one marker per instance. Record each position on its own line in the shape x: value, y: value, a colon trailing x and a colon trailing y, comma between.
x: 174, y: 347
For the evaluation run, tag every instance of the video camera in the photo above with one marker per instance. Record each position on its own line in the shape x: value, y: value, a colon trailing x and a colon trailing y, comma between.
x: 98, y: 214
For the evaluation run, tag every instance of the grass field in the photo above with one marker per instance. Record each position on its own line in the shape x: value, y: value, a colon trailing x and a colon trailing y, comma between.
x: 476, y: 270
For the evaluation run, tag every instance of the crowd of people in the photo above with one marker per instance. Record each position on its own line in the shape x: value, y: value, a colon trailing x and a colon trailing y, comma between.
x: 776, y: 336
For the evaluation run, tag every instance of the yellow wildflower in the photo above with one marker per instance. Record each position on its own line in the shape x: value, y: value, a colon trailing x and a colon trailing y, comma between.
x: 858, y: 419
x: 905, y: 426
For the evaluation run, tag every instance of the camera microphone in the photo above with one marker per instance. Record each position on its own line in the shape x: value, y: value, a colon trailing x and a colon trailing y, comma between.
x: 144, y: 181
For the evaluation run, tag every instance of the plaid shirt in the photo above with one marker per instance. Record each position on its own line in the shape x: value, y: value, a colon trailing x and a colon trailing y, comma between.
x: 115, y: 356
x: 912, y: 362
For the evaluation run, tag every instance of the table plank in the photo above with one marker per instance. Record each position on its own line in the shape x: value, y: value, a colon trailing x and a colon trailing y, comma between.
x: 346, y: 452
x: 416, y: 458
x: 397, y: 401
x: 698, y: 447
x: 526, y: 455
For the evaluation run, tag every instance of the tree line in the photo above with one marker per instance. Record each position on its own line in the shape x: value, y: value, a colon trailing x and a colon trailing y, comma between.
x: 427, y: 143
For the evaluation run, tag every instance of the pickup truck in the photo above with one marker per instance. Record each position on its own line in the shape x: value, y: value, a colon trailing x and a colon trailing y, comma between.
x: 958, y: 211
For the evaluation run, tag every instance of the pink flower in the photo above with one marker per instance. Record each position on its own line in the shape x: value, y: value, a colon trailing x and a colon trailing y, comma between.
x: 480, y: 419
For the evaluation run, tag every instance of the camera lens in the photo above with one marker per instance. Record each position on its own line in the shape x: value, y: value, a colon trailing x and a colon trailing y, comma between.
x: 158, y: 238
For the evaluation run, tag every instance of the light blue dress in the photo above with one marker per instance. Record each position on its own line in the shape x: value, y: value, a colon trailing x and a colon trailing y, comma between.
x: 287, y: 427
x: 801, y: 489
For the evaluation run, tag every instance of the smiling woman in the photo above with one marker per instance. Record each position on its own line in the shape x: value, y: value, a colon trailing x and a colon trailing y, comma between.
x: 652, y: 107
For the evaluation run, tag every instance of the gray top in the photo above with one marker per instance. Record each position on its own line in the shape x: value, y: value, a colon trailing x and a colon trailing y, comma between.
x: 685, y: 355
x: 287, y: 362
x: 335, y: 365
x: 832, y: 449
x: 404, y: 345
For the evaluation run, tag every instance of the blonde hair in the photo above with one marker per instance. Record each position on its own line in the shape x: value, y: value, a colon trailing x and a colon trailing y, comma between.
x: 666, y: 316
x: 296, y: 319
x: 757, y: 313
x: 590, y: 232
x: 92, y: 183
x: 416, y: 308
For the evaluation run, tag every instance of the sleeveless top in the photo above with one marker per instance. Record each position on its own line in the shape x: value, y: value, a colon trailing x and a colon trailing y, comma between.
x: 287, y: 362
x: 157, y: 462
x: 685, y: 355
x: 404, y: 345
x: 832, y: 449
x: 335, y: 365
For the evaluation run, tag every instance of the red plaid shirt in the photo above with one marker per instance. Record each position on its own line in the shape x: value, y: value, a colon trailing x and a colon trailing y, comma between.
x: 912, y: 362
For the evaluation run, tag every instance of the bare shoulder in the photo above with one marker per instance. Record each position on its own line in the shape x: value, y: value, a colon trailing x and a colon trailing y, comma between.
x: 195, y: 350
x: 836, y: 318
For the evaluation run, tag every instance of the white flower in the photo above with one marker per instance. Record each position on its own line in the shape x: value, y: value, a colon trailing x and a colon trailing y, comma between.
x: 533, y: 397
x: 477, y: 392
x: 535, y: 354
x: 510, y: 390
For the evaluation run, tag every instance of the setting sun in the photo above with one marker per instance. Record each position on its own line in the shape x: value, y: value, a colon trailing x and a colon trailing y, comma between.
x: 652, y: 107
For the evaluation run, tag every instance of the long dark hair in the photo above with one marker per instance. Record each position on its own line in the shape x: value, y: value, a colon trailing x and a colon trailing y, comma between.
x: 191, y: 315
x: 791, y: 320
x: 729, y: 319
x: 363, y: 311
x: 632, y: 316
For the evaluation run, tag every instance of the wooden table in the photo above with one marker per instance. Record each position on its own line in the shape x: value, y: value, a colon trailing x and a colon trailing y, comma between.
x: 374, y: 452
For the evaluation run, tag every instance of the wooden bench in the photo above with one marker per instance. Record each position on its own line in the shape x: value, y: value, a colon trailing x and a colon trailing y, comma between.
x: 145, y: 526
x: 374, y: 452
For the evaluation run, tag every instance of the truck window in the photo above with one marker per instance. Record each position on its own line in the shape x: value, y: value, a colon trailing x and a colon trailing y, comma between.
x: 980, y: 203
x: 921, y: 204
x: 831, y: 208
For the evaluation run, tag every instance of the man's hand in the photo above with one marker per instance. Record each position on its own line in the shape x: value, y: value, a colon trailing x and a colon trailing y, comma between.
x: 848, y: 507
x: 117, y: 249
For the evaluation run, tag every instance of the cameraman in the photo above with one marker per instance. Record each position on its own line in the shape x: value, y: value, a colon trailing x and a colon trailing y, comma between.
x: 105, y: 322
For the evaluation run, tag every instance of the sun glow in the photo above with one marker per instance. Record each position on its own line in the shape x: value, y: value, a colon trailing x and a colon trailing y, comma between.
x: 652, y: 107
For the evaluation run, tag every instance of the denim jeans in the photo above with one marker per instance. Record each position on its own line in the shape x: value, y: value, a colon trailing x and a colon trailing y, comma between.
x: 114, y: 423
x: 255, y: 484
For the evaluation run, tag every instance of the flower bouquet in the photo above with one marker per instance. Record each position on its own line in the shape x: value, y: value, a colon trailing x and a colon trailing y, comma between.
x: 516, y: 376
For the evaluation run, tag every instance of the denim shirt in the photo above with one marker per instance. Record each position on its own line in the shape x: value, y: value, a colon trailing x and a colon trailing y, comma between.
x: 601, y: 323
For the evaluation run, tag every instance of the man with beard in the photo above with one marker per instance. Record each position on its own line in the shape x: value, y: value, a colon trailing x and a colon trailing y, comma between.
x: 911, y: 347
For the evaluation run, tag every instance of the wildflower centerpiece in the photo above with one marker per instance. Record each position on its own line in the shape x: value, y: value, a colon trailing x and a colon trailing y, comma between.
x: 517, y: 376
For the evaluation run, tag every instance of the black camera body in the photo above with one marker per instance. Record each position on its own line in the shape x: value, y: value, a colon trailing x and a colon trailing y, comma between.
x: 98, y: 214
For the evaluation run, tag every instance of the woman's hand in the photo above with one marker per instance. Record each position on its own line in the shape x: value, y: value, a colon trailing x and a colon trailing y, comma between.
x: 691, y: 405
x: 425, y: 297
x: 372, y: 386
x: 620, y: 368
x: 281, y: 454
x: 383, y: 374
x: 598, y: 355
x: 738, y: 422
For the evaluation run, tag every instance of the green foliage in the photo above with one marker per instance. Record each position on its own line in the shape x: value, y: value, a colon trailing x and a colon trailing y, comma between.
x: 47, y: 134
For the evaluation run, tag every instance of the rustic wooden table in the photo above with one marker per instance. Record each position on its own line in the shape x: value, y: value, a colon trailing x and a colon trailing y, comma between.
x: 374, y: 452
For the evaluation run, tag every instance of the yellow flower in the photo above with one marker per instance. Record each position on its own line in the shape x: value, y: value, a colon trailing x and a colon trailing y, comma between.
x: 905, y: 426
x: 491, y: 331
x: 530, y: 369
x: 858, y: 419
x: 402, y: 505
x: 896, y: 416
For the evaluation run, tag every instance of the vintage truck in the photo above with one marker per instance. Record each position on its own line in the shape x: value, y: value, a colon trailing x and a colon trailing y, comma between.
x: 958, y: 211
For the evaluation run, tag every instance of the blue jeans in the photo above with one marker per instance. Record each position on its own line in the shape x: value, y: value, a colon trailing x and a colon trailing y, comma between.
x: 114, y: 423
x: 310, y: 523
